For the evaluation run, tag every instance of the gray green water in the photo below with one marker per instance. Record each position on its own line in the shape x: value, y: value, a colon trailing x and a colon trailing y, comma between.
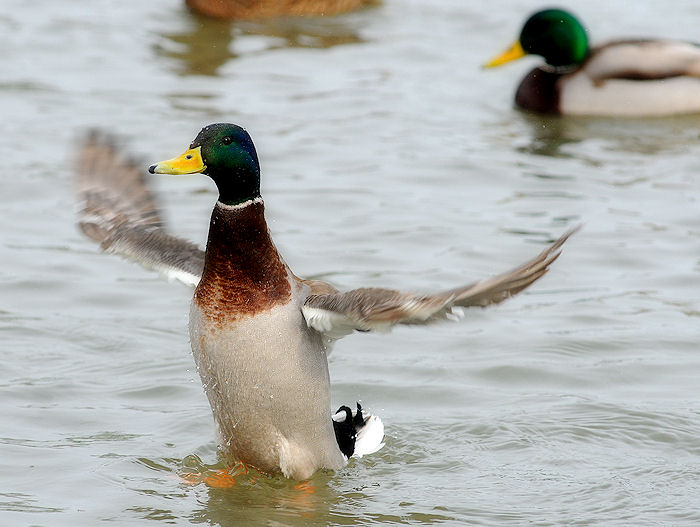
x: 389, y: 159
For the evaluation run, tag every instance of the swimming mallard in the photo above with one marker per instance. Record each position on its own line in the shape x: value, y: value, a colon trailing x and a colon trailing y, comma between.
x: 259, y: 333
x: 621, y: 78
x: 246, y: 10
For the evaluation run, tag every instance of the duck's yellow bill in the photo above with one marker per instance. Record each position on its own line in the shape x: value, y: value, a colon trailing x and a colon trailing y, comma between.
x: 515, y: 52
x: 188, y: 163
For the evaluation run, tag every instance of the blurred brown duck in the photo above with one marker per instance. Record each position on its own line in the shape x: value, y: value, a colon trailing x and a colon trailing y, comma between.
x: 258, y: 9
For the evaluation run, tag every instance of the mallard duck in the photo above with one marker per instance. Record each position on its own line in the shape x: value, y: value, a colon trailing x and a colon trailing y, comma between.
x: 621, y: 78
x: 259, y: 333
x: 247, y: 10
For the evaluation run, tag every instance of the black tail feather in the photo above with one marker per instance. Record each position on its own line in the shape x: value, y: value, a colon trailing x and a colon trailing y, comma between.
x: 346, y: 430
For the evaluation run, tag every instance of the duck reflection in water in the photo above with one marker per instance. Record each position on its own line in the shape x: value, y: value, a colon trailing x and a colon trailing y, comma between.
x: 208, y: 43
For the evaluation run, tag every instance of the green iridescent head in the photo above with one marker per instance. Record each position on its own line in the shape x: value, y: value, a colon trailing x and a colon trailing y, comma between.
x: 224, y: 152
x: 554, y: 34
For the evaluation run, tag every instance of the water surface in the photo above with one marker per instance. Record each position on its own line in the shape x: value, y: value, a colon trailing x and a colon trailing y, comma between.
x: 389, y: 159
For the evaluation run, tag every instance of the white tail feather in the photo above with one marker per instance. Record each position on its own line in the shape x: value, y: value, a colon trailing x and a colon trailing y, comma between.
x: 369, y: 437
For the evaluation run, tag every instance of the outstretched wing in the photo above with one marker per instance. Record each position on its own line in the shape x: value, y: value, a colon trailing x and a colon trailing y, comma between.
x: 118, y: 211
x: 338, y: 314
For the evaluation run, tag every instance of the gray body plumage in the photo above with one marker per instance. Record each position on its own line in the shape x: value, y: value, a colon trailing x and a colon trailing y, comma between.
x: 267, y: 381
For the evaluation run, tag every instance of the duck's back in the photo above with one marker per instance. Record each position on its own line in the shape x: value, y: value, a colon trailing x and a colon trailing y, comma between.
x: 635, y: 78
x: 631, y: 78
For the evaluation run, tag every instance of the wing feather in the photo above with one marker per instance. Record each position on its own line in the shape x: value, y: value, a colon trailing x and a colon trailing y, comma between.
x: 118, y: 211
x: 337, y: 314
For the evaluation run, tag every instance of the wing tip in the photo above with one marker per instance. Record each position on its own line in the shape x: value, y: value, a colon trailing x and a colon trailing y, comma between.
x: 559, y: 242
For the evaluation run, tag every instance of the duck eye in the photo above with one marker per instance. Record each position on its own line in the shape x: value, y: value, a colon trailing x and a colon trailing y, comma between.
x: 227, y: 140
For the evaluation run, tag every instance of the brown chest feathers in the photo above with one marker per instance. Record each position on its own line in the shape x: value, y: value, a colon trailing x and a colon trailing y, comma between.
x: 539, y: 91
x: 243, y: 272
